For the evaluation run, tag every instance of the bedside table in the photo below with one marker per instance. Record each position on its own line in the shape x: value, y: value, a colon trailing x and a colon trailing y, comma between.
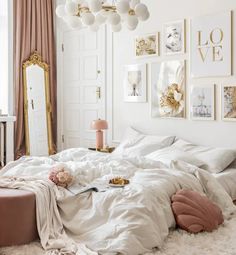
x: 104, y: 150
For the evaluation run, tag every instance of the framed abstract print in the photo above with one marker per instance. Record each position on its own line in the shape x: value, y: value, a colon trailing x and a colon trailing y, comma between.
x: 147, y: 45
x: 174, y: 37
x: 228, y: 102
x: 211, y: 45
x: 135, y: 83
x: 202, y: 102
x: 168, y: 89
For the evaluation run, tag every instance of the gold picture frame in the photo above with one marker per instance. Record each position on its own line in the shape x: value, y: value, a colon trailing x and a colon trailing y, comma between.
x: 174, y: 38
x: 228, y: 102
x: 36, y: 59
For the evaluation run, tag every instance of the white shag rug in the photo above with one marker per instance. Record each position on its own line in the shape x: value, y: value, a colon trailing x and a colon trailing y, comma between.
x: 219, y: 242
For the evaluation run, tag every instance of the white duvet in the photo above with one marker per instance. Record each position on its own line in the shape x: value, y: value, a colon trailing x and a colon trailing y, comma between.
x: 131, y: 220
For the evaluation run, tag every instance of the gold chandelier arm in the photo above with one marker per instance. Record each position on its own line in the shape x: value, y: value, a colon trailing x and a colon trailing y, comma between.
x: 112, y: 8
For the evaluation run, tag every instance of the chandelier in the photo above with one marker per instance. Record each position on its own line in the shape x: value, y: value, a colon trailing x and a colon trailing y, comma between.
x: 93, y: 13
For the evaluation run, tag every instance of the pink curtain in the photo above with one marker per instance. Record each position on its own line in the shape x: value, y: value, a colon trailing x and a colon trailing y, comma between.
x: 33, y: 31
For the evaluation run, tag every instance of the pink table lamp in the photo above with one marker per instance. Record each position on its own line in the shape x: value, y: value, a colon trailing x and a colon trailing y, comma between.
x: 99, y: 125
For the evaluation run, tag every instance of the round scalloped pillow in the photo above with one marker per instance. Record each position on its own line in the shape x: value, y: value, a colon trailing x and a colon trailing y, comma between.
x: 194, y: 212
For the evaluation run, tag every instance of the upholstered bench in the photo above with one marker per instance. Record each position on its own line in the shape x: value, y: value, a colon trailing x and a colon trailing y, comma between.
x: 17, y: 217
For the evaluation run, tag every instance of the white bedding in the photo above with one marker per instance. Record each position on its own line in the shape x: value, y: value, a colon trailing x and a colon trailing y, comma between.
x: 227, y: 179
x: 131, y: 220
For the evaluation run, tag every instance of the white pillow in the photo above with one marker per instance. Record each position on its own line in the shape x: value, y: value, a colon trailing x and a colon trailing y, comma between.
x: 135, y: 143
x: 233, y: 164
x: 215, y: 159
x: 228, y: 180
x: 171, y: 153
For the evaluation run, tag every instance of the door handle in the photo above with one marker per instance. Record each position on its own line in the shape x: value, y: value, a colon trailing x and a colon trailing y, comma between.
x: 32, y: 104
x: 98, y: 92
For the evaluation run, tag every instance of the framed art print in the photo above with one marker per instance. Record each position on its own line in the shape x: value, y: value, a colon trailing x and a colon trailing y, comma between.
x: 135, y: 83
x: 228, y: 102
x: 174, y: 37
x: 147, y: 45
x: 211, y: 45
x: 168, y: 89
x: 202, y: 102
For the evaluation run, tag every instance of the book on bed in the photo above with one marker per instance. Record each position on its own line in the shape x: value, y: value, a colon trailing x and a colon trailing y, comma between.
x: 77, y: 189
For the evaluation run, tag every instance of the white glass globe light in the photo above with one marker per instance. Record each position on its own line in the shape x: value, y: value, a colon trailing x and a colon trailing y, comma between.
x: 133, y: 3
x: 145, y: 16
x: 71, y: 8
x: 95, y: 5
x: 73, y: 22
x: 132, y: 28
x: 100, y: 19
x: 88, y: 18
x: 60, y: 11
x: 140, y: 10
x: 116, y: 28
x: 105, y: 13
x: 114, y: 18
x: 132, y: 22
x: 123, y: 6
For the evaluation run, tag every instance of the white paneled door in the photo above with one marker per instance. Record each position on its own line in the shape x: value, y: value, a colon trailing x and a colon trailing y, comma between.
x: 83, y: 92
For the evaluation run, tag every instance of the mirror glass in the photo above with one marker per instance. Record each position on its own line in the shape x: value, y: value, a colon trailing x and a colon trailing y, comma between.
x: 37, y: 107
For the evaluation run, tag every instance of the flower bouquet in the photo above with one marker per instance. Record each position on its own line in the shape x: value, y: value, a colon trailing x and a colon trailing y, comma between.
x: 61, y: 176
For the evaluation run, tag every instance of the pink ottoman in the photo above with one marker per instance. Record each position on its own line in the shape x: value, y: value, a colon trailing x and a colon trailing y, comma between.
x: 17, y: 217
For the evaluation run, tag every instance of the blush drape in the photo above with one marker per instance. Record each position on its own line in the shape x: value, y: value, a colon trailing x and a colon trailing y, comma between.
x: 33, y: 31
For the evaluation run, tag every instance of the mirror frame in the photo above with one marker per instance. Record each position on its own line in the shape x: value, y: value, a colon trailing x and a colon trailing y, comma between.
x: 36, y: 59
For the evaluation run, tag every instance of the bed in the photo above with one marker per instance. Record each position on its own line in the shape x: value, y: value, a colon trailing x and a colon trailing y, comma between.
x: 131, y: 220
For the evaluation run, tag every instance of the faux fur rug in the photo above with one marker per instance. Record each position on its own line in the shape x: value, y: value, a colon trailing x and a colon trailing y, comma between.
x: 220, y: 242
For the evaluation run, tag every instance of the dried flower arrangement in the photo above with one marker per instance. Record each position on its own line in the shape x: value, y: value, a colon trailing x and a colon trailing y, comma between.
x: 61, y: 176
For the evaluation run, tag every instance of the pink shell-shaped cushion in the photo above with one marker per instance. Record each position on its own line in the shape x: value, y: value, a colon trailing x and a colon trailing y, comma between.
x: 194, y: 212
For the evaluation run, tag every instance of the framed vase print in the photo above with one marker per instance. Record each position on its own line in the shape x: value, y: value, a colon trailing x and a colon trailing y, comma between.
x: 135, y: 83
x: 147, y: 45
x: 174, y: 37
x: 202, y: 102
x: 211, y: 45
x: 168, y: 89
x: 228, y: 102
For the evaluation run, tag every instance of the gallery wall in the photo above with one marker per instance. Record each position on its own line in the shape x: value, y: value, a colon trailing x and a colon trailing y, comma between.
x: 215, y: 133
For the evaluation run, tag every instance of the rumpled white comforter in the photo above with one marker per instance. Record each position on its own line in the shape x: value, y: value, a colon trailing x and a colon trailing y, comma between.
x: 131, y: 220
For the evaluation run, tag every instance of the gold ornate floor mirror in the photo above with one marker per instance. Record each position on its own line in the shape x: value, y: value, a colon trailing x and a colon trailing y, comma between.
x: 37, y: 107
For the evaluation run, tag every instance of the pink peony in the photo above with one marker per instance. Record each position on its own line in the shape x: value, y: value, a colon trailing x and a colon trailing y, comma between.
x: 60, y: 176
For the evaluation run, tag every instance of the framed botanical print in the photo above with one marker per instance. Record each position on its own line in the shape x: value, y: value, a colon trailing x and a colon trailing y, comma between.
x: 228, y: 102
x: 168, y: 89
x: 211, y: 45
x: 202, y: 102
x: 147, y: 45
x: 135, y: 83
x: 174, y: 37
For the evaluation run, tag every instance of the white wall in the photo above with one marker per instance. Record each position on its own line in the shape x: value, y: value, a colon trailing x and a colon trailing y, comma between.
x: 217, y: 133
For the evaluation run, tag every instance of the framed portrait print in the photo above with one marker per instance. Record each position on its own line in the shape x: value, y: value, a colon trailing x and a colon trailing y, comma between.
x: 228, y: 102
x: 168, y: 89
x: 202, y: 102
x: 147, y: 45
x: 211, y: 45
x: 135, y: 83
x: 174, y: 37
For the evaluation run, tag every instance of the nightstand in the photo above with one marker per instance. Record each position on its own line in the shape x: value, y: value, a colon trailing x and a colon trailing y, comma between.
x: 104, y: 150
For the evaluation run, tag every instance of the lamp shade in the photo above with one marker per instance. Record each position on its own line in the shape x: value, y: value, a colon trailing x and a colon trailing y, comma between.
x: 99, y: 124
